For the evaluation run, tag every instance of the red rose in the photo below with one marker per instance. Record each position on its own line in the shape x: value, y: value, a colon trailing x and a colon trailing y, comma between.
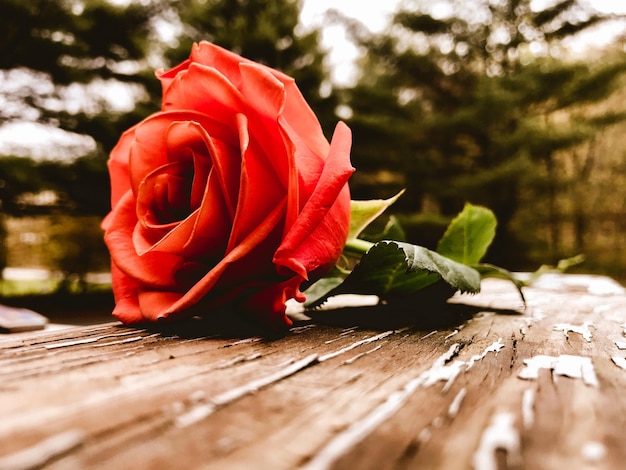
x: 229, y: 194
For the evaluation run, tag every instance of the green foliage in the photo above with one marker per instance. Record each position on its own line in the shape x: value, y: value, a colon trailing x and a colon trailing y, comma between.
x: 397, y: 271
x: 59, y: 45
x: 394, y: 269
x: 472, y: 110
x: 469, y: 235
x: 363, y: 213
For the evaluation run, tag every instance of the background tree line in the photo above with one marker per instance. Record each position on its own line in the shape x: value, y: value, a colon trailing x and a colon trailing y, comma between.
x: 457, y: 101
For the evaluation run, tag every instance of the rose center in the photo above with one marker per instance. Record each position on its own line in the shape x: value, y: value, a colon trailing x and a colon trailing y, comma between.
x: 172, y: 194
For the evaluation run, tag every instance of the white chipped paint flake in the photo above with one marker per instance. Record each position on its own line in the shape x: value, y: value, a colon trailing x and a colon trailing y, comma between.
x: 536, y: 315
x: 576, y: 367
x: 441, y: 370
x: 44, y: 452
x: 358, y: 430
x: 593, y: 451
x: 451, y: 334
x: 582, y: 330
x: 528, y: 408
x: 455, y: 406
x: 494, y: 347
x: 432, y: 333
x: 500, y: 435
x: 619, y: 362
x: 203, y: 410
x: 354, y: 345
x: 359, y: 356
x: 620, y: 345
x: 447, y: 373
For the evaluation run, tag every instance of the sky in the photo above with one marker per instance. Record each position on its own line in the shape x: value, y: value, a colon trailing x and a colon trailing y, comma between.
x: 375, y: 14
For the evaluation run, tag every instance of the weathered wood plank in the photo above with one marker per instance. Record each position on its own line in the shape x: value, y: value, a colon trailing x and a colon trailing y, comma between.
x: 481, y: 383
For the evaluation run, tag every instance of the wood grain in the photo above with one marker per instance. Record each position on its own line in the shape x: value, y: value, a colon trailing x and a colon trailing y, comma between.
x: 480, y: 383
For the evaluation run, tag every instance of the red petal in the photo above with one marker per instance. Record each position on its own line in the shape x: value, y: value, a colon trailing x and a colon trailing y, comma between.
x: 153, y: 268
x: 206, y: 90
x: 204, y: 286
x: 227, y: 62
x: 259, y: 189
x: 318, y: 235
x: 126, y: 302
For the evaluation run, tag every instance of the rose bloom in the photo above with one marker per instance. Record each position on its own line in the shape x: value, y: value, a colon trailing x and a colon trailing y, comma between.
x: 230, y: 195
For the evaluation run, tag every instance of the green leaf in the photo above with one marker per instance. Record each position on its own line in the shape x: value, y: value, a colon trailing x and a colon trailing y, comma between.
x: 562, y: 266
x: 363, y: 213
x: 318, y: 292
x: 391, y: 231
x: 489, y: 270
x: 469, y: 235
x: 398, y: 270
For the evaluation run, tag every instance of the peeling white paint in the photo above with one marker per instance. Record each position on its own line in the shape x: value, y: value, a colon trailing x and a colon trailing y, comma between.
x: 199, y: 412
x: 44, y: 452
x: 424, y: 435
x: 300, y: 329
x: 619, y: 362
x: 358, y: 430
x: 358, y: 356
x: 582, y: 330
x: 451, y: 334
x: 620, y: 344
x: 92, y: 339
x: 194, y: 415
x: 494, y: 347
x: 455, y: 405
x: 528, y: 408
x: 576, y: 367
x: 536, y: 315
x: 439, y: 371
x: 593, y: 451
x: 429, y: 334
x: 356, y: 344
x: 447, y: 373
x: 500, y: 435
x: 254, y: 339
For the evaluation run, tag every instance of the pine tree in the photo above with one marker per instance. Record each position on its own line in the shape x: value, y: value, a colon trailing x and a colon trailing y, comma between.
x: 472, y: 101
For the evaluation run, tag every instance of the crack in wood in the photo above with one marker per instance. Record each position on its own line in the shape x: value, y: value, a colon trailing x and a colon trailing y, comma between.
x: 513, y: 353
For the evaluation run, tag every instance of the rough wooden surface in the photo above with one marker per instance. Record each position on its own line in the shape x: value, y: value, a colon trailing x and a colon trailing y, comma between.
x: 479, y: 383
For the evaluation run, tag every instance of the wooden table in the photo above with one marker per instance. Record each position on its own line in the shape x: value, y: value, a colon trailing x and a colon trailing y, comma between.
x: 478, y: 383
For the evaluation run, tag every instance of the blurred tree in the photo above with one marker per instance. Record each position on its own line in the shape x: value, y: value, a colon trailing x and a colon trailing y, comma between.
x: 474, y: 96
x: 63, y: 62
x: 266, y: 31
